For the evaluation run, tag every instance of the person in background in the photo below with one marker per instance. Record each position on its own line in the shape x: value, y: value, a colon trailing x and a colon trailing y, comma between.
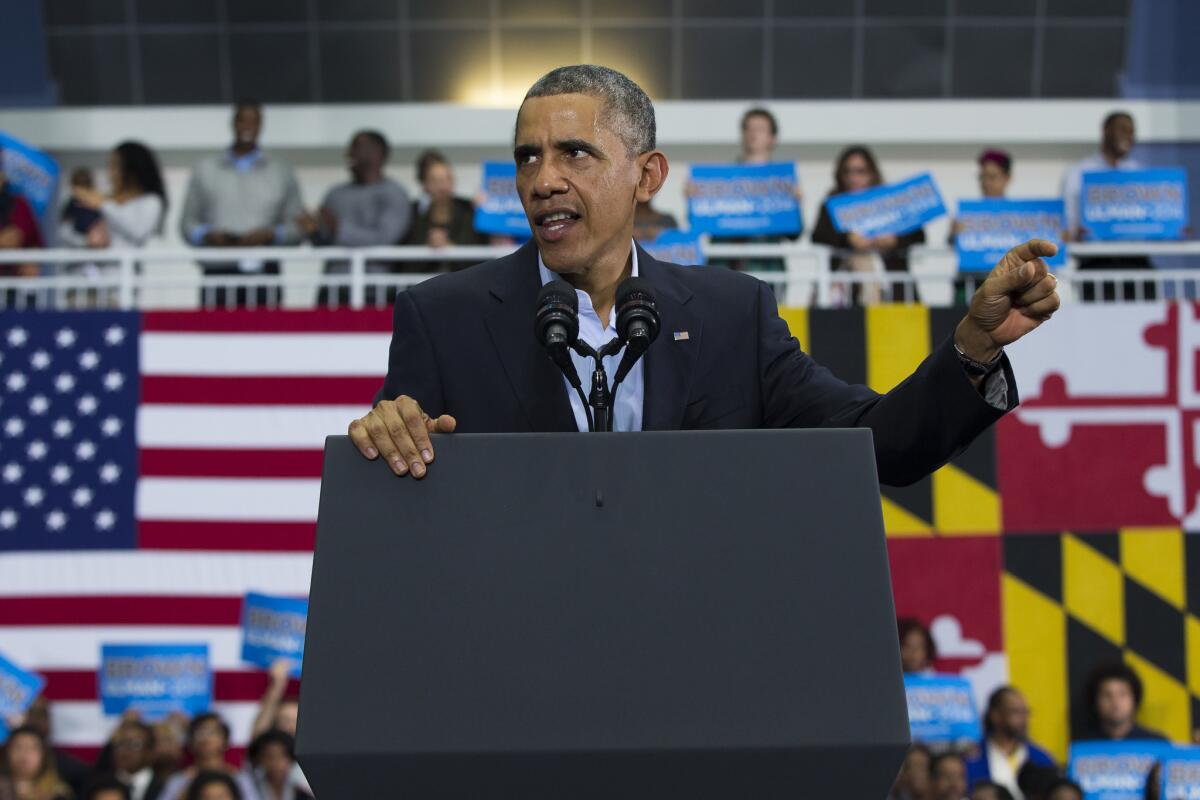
x: 28, y: 768
x: 370, y: 210
x: 1064, y: 789
x: 1115, y: 153
x: 131, y: 213
x: 1005, y: 748
x: 208, y: 743
x: 278, y: 711
x: 37, y: 716
x: 856, y: 170
x: 1112, y: 696
x: 440, y: 219
x: 18, y: 231
x: 132, y: 749
x: 917, y: 648
x: 913, y: 782
x: 273, y: 759
x: 648, y: 222
x: 948, y: 777
x: 170, y: 739
x: 105, y: 787
x: 215, y: 785
x: 995, y: 172
x: 79, y: 217
x: 988, y: 790
x: 242, y: 198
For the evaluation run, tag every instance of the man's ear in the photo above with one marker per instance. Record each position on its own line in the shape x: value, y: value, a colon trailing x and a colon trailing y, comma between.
x: 653, y: 175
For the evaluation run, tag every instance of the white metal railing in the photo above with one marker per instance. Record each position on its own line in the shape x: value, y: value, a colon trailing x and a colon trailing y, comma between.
x: 805, y: 278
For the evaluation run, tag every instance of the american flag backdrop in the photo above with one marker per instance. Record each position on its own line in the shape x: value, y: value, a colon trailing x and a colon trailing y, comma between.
x: 155, y: 467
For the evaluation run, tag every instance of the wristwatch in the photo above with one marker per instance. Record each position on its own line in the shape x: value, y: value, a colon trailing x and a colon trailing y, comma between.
x: 975, y: 368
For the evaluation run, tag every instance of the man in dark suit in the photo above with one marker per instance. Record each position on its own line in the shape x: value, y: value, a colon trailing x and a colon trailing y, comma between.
x: 464, y: 357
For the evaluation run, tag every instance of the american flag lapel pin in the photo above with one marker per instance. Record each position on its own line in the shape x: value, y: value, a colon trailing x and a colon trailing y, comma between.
x: 681, y: 336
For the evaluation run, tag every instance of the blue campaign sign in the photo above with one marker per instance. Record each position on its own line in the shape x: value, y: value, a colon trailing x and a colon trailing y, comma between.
x: 33, y: 173
x: 1180, y: 778
x: 677, y: 247
x: 273, y: 628
x: 501, y: 213
x: 896, y: 208
x: 987, y: 229
x: 941, y: 708
x: 155, y: 679
x: 18, y: 688
x: 1114, y: 770
x: 1135, y: 204
x: 744, y: 200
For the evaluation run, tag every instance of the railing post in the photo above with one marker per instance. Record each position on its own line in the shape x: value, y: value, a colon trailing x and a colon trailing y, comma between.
x: 824, y: 276
x: 358, y: 277
x: 126, y: 277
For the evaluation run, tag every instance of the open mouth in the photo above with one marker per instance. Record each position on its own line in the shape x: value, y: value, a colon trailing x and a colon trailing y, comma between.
x: 556, y: 223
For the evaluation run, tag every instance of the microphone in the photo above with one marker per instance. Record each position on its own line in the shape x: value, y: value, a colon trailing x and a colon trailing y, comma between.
x: 556, y: 325
x: 637, y: 322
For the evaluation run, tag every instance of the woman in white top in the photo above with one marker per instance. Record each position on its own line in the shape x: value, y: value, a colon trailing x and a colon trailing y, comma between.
x: 134, y: 210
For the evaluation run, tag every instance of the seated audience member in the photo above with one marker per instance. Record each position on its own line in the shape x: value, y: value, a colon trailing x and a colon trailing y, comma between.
x: 995, y: 172
x: 28, y: 768
x: 273, y: 758
x: 242, y: 198
x: 989, y: 790
x: 1112, y: 696
x: 1006, y: 746
x: 128, y: 216
x: 369, y: 210
x: 1115, y: 153
x: 440, y: 219
x: 948, y: 777
x: 18, y: 231
x: 69, y: 768
x: 913, y: 782
x: 208, y: 743
x: 132, y: 748
x: 917, y: 648
x: 216, y: 786
x: 105, y: 787
x: 648, y: 222
x: 856, y: 171
x: 1063, y: 789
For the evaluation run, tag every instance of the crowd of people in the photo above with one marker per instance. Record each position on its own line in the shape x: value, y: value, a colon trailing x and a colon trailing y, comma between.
x: 1005, y: 764
x: 242, y: 197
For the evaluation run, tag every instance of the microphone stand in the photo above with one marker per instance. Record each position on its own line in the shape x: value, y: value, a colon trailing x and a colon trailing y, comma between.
x: 600, y: 398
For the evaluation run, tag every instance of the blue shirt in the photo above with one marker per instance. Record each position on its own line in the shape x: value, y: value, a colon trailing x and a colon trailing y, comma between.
x: 627, y: 411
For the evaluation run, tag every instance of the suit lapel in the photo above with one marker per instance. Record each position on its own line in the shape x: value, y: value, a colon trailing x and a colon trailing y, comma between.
x: 535, y: 380
x: 671, y: 361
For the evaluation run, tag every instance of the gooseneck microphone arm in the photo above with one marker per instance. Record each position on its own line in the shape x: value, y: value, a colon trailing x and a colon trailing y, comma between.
x: 556, y: 327
x: 637, y: 324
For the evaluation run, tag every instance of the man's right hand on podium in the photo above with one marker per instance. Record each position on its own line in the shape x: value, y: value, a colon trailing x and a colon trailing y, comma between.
x: 399, y: 431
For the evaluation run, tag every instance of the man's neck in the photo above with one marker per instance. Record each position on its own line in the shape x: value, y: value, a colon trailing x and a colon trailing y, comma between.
x: 240, y: 149
x: 216, y: 763
x: 601, y: 281
x: 756, y: 158
x: 368, y: 176
x: 1111, y: 158
x: 1117, y: 730
x: 1005, y: 743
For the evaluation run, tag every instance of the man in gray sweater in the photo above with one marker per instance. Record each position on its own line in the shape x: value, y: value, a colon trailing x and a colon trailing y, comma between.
x: 371, y: 209
x: 242, y: 198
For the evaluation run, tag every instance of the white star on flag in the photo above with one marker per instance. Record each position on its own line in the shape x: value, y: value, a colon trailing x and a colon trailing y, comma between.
x: 8, y: 519
x: 14, y: 426
x: 113, y: 380
x: 16, y: 381
x: 60, y: 474
x: 87, y: 405
x: 114, y: 335
x: 64, y: 382
x: 12, y: 472
x: 63, y: 427
x: 39, y: 360
x: 56, y: 520
x: 36, y: 450
x: 39, y: 404
x: 105, y: 519
x: 34, y: 495
x: 85, y: 450
x: 17, y: 336
x: 88, y: 359
x: 65, y: 337
x: 110, y: 472
x: 82, y: 497
x: 111, y: 426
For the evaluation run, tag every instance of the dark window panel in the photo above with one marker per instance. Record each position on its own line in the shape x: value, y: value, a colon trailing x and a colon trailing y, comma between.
x: 271, y: 67
x: 632, y: 9
x: 905, y: 8
x: 358, y: 10
x: 995, y: 8
x: 813, y: 62
x: 181, y: 68
x: 976, y: 71
x: 1082, y: 62
x: 904, y: 61
x: 526, y: 55
x: 722, y: 63
x: 176, y: 12
x: 1087, y: 8
x: 361, y: 66
x: 451, y: 65
x: 91, y: 70
x: 83, y: 12
x: 739, y: 9
x: 266, y: 11
x: 476, y: 10
x: 813, y: 8
x: 644, y: 54
x: 540, y: 10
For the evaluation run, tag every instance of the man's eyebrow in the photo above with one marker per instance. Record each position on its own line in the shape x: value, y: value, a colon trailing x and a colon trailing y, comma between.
x: 568, y: 145
x: 523, y: 150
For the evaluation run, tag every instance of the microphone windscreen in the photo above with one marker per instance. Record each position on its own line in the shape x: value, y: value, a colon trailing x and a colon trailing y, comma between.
x: 635, y: 288
x: 558, y: 293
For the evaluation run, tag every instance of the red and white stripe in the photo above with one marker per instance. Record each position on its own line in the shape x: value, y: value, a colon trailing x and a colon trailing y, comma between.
x: 235, y: 409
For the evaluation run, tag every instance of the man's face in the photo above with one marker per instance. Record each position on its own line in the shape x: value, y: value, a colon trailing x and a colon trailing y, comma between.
x: 575, y: 179
x: 914, y: 655
x: 1118, y: 136
x: 131, y: 750
x: 208, y: 739
x: 950, y: 779
x: 757, y: 137
x: 362, y: 155
x: 1114, y: 702
x: 1012, y: 716
x: 247, y: 124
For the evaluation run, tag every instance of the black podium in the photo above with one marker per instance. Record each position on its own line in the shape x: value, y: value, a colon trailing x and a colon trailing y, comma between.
x: 699, y: 615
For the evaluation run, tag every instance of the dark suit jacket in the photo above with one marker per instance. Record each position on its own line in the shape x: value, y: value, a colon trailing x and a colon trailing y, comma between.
x: 463, y: 344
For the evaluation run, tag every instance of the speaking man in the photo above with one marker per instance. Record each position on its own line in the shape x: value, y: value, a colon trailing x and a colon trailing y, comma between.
x: 464, y: 356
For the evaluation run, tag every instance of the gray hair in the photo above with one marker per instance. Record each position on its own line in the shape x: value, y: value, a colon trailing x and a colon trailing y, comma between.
x: 630, y: 114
